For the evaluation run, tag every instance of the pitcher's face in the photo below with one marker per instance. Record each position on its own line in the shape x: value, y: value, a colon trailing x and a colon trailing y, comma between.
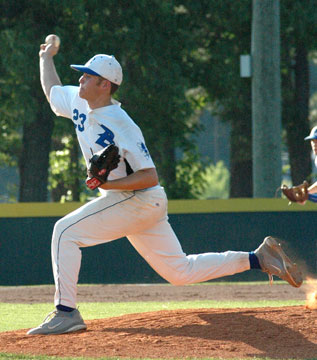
x: 91, y: 86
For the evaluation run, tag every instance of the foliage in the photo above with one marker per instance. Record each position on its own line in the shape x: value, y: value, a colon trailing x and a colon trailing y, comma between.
x: 189, y: 172
x: 298, y: 34
x: 222, y: 32
x: 24, y: 109
x: 198, y: 179
x: 8, y: 188
x: 313, y: 110
x: 176, y: 56
x: 64, y: 172
x: 154, y: 87
x: 215, y: 182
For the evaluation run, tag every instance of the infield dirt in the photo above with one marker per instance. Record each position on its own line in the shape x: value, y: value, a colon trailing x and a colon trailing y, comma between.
x: 283, y: 332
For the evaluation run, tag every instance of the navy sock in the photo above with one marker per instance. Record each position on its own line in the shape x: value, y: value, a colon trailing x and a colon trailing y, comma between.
x: 64, y: 308
x: 254, y: 261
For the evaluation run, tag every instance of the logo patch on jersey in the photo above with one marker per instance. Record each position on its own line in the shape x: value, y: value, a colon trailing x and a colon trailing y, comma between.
x: 106, y: 137
x: 143, y: 149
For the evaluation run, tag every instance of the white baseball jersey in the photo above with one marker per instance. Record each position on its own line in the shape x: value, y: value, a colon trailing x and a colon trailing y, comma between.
x: 100, y: 127
x: 139, y: 215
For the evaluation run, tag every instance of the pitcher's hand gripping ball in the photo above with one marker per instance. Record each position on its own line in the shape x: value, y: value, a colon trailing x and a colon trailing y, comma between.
x: 53, y: 39
x: 297, y: 193
x: 101, y: 164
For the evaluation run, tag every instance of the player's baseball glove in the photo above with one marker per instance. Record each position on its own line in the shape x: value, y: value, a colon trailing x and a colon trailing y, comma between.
x: 297, y: 193
x: 100, y: 165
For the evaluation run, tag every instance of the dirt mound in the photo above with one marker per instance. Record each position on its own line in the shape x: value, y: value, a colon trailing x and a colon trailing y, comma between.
x: 287, y: 332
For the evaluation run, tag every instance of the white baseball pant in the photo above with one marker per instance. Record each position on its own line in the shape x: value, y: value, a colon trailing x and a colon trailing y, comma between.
x: 141, y: 216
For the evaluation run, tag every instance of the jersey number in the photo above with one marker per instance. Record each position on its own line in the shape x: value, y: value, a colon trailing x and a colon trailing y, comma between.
x: 81, y: 118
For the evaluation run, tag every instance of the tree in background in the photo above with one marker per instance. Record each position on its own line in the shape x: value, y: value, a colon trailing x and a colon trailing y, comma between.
x: 166, y: 49
x: 222, y: 32
x: 151, y: 42
x: 25, y: 110
x: 153, y: 91
x: 298, y: 36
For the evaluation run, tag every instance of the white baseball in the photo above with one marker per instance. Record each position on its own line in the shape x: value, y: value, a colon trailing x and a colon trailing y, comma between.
x: 53, y: 39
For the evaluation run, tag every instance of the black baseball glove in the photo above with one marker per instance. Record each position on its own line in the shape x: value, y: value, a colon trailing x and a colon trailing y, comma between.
x: 101, y: 164
x: 297, y: 193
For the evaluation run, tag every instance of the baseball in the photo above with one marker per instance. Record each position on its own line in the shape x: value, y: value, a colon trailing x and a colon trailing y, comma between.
x: 53, y: 39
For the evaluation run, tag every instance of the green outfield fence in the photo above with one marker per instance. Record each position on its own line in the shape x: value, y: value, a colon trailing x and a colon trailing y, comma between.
x: 201, y: 225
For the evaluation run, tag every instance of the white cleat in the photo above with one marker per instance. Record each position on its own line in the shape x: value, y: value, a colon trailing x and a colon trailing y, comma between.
x: 60, y: 322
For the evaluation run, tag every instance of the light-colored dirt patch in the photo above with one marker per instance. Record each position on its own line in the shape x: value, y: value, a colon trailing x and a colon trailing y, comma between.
x: 158, y: 292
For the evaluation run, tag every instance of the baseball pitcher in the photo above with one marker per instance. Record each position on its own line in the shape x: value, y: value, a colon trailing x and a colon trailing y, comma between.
x: 132, y: 202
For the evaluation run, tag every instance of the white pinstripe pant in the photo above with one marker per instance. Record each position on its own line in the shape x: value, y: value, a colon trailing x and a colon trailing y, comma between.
x: 141, y: 216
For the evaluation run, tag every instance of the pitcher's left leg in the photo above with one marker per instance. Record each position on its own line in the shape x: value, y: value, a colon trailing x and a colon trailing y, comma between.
x: 97, y: 222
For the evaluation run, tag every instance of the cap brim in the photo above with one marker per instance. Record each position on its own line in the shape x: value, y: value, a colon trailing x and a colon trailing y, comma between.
x: 310, y: 138
x: 84, y: 69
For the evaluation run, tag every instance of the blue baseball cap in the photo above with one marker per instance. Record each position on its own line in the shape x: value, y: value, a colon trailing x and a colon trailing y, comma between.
x: 313, y: 134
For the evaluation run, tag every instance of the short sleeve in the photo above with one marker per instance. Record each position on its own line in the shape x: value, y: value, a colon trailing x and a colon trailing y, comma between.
x: 61, y: 98
x: 137, y: 154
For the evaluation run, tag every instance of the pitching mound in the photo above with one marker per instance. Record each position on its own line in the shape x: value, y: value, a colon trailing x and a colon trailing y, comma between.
x: 288, y: 332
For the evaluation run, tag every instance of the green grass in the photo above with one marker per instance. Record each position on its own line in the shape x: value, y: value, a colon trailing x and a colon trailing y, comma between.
x: 22, y: 316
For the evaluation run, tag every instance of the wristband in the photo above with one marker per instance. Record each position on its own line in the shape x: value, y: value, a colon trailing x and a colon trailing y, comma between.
x: 312, y: 197
x: 93, y: 183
